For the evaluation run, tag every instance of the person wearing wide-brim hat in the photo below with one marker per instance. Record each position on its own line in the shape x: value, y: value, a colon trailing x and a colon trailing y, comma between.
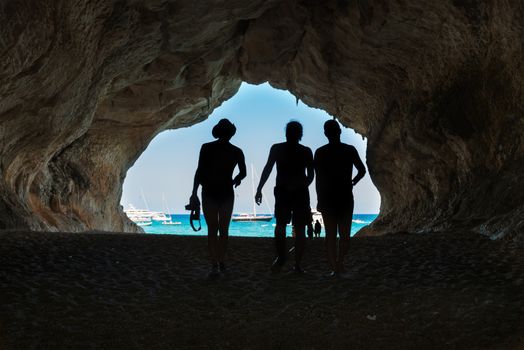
x: 216, y: 163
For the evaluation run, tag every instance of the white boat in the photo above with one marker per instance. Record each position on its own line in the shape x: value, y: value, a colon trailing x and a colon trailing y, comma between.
x: 171, y: 222
x: 147, y: 214
x: 140, y: 217
x: 168, y: 220
x: 137, y: 213
x: 251, y: 217
x: 141, y: 220
x: 132, y: 212
x: 143, y: 223
x: 160, y: 216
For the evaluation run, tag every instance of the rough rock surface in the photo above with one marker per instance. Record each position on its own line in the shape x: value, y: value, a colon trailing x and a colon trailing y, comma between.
x: 435, y: 86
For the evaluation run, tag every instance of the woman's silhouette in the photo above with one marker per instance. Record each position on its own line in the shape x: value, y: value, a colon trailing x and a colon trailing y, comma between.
x: 216, y: 163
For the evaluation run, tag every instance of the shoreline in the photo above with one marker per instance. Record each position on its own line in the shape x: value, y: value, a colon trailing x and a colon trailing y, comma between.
x: 121, y: 291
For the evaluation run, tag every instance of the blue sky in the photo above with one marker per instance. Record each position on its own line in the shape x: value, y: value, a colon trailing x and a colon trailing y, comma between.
x: 260, y: 113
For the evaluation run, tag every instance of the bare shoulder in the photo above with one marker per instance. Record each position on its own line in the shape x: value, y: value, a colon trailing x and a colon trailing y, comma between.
x: 205, y: 146
x: 237, y: 150
x: 322, y: 148
x: 321, y: 151
x: 209, y: 144
x: 350, y: 148
x: 277, y: 147
x: 305, y: 149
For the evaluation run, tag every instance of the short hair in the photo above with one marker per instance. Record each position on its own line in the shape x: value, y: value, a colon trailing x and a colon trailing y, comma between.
x: 332, y: 128
x: 224, y: 129
x: 294, y: 131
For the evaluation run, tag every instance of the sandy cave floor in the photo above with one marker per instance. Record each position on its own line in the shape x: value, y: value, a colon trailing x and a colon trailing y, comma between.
x: 125, y: 291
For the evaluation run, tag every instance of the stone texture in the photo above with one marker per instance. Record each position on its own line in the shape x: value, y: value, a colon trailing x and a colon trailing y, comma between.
x: 436, y: 87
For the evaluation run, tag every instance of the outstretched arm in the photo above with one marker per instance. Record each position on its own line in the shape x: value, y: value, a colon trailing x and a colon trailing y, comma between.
x: 242, y: 170
x: 265, y: 175
x: 360, y: 168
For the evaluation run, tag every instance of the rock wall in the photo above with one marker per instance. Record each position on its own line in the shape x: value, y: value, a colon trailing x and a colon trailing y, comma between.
x: 436, y: 87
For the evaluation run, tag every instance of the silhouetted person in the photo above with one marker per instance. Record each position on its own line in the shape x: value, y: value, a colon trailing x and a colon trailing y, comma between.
x: 318, y: 228
x: 216, y: 163
x: 334, y: 182
x: 310, y: 230
x: 294, y: 174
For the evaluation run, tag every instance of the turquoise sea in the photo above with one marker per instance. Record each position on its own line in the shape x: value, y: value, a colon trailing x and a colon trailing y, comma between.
x: 242, y: 229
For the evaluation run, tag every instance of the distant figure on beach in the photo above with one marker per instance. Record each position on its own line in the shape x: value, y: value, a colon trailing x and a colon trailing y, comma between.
x: 294, y: 174
x: 310, y: 230
x: 318, y: 229
x: 334, y: 183
x: 216, y: 164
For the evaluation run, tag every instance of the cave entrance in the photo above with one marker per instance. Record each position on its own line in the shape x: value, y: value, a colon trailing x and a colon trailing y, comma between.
x: 161, y: 179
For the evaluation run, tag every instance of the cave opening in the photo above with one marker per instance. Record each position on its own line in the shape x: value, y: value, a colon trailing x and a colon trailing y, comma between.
x: 439, y: 103
x: 161, y: 178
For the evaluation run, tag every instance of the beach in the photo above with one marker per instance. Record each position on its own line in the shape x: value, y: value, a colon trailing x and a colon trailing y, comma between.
x: 143, y: 291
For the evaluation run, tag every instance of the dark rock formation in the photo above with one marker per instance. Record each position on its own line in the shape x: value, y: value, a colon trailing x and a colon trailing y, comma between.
x: 435, y: 86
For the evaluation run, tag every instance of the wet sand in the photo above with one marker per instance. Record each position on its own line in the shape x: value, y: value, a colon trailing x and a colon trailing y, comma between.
x: 123, y: 291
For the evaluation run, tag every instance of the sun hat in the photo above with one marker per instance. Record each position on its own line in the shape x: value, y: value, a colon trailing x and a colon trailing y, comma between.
x: 224, y: 129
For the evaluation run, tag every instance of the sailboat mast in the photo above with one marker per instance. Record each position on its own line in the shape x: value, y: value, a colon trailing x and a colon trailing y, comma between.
x: 144, y: 198
x: 253, y: 190
x: 165, y: 207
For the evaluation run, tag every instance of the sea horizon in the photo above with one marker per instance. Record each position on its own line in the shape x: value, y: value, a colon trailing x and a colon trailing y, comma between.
x: 240, y: 229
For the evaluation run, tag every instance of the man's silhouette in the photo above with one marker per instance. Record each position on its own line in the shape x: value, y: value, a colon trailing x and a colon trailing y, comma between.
x: 294, y: 174
x: 318, y: 228
x: 333, y: 168
x: 216, y: 163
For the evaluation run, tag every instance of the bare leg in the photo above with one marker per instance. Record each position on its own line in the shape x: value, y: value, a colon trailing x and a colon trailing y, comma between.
x: 343, y: 247
x: 224, y: 217
x: 330, y: 228
x: 300, y: 242
x: 344, y: 227
x: 211, y: 215
x: 280, y: 243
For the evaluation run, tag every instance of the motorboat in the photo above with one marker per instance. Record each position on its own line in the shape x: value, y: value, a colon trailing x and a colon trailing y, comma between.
x: 171, y: 222
x: 251, y: 217
x: 160, y: 216
x: 141, y: 221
